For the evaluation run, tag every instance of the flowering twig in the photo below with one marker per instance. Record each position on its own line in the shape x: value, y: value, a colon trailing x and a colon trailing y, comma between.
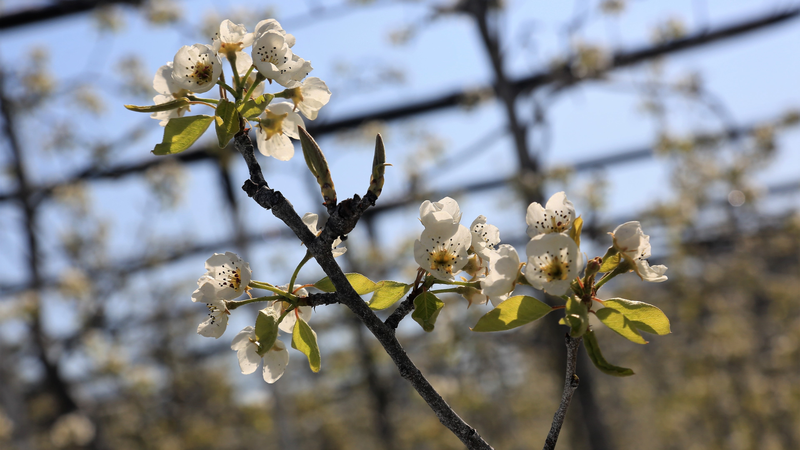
x: 571, y: 382
x: 342, y: 220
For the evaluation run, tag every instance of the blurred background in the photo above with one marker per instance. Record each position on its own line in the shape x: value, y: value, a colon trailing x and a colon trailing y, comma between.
x: 680, y: 114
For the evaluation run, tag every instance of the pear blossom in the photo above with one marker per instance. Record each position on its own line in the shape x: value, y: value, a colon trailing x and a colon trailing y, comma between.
x: 271, y: 54
x: 554, y: 260
x: 196, y: 68
x: 274, y: 128
x: 229, y: 274
x: 503, y: 273
x: 309, y: 97
x: 217, y: 321
x: 274, y: 360
x: 442, y: 247
x: 556, y: 217
x: 167, y: 90
x: 476, y: 266
x: 485, y: 237
x: 231, y: 39
x: 280, y: 307
x: 293, y: 72
x: 273, y: 25
x: 634, y: 246
x: 311, y: 220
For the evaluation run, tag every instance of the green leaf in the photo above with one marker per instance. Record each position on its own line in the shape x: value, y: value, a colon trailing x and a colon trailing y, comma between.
x: 360, y: 283
x: 254, y: 107
x: 181, y: 132
x: 596, y: 356
x: 575, y: 231
x: 168, y: 106
x: 512, y: 313
x: 266, y: 329
x: 618, y: 322
x: 226, y: 121
x: 387, y: 293
x: 576, y: 317
x: 426, y: 310
x: 610, y: 263
x: 305, y: 340
x: 644, y: 316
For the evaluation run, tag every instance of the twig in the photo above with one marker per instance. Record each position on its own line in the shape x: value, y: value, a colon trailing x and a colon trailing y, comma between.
x: 342, y: 221
x: 571, y: 382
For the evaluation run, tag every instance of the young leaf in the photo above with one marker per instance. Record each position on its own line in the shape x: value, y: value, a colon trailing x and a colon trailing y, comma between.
x: 254, y: 107
x: 266, y: 329
x: 575, y: 231
x: 168, y: 106
x: 610, y: 263
x: 512, y: 313
x: 226, y: 122
x: 426, y: 310
x: 360, y: 283
x: 576, y: 317
x: 644, y: 316
x: 305, y: 340
x: 596, y: 356
x: 387, y: 293
x: 618, y: 322
x: 181, y: 132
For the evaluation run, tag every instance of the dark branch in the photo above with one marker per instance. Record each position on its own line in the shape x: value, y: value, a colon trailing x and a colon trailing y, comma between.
x: 55, y: 10
x: 571, y: 382
x: 342, y: 221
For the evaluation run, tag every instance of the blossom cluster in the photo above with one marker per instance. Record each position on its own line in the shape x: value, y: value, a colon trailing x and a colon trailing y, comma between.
x: 554, y: 260
x: 197, y: 68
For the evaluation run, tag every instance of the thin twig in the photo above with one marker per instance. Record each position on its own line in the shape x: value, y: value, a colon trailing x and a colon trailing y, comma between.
x: 341, y: 222
x: 571, y: 382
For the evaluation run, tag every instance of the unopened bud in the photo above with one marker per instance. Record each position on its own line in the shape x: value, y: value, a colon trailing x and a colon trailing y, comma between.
x: 378, y: 167
x: 318, y: 165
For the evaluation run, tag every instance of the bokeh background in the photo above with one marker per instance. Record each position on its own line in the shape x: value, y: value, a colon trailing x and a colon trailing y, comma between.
x: 681, y: 114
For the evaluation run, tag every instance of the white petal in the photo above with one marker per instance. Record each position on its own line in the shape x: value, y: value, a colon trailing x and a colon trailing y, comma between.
x: 270, y: 54
x: 654, y: 274
x: 275, y: 362
x: 243, y: 63
x: 242, y: 338
x: 278, y: 146
x: 554, y: 260
x: 484, y: 237
x: 196, y: 68
x: 287, y: 325
x: 503, y: 271
x: 562, y: 209
x: 443, y: 255
x: 246, y: 350
x: 311, y: 219
x: 292, y: 120
x: 214, y: 326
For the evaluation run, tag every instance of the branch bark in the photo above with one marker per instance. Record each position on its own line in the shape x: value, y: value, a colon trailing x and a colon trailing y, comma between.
x: 341, y: 222
x: 571, y: 382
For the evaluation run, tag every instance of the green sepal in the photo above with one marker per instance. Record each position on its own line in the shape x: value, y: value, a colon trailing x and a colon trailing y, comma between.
x: 620, y: 324
x: 575, y: 231
x: 181, y: 132
x: 426, y: 310
x: 387, y: 293
x: 168, y: 106
x: 596, y: 356
x: 360, y: 283
x: 226, y: 121
x: 610, y: 261
x: 304, y: 339
x: 512, y: 313
x: 576, y: 317
x: 266, y: 329
x: 644, y: 316
x: 254, y: 107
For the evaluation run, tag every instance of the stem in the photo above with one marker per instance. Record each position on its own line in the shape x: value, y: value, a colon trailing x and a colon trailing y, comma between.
x: 343, y: 219
x: 205, y: 100
x: 226, y: 87
x: 269, y: 287
x: 259, y: 79
x: 607, y: 277
x: 237, y: 82
x: 443, y: 291
x: 235, y: 304
x: 203, y: 103
x: 297, y: 270
x: 473, y: 284
x: 571, y: 382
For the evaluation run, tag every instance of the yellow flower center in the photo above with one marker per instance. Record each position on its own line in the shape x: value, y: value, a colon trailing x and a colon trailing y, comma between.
x: 273, y: 123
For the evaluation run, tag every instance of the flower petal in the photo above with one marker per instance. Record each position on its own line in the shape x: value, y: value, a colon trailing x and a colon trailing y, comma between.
x: 275, y: 362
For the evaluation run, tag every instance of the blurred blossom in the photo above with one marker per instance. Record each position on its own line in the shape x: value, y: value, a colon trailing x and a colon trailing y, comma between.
x: 74, y: 429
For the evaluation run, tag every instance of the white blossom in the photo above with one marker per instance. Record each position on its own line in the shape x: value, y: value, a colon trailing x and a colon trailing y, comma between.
x: 485, y: 237
x: 217, y: 321
x: 227, y: 277
x: 231, y: 39
x: 310, y: 97
x: 275, y: 359
x: 556, y: 217
x: 311, y: 220
x: 274, y: 128
x: 442, y: 247
x: 271, y: 54
x: 631, y: 242
x: 196, y: 68
x: 554, y: 260
x: 167, y: 90
x: 504, y: 268
x: 273, y: 25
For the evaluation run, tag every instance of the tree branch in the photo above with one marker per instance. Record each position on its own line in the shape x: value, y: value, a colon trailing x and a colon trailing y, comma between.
x: 571, y: 382
x: 341, y: 222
